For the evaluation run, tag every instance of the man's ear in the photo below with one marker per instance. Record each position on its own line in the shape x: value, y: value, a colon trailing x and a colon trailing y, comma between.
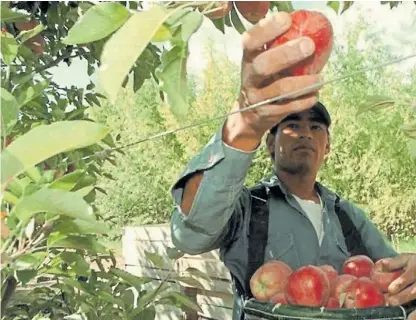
x: 270, y: 139
x: 328, y: 146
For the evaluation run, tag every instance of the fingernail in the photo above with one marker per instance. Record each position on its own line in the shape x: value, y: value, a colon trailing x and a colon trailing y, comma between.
x: 307, y: 47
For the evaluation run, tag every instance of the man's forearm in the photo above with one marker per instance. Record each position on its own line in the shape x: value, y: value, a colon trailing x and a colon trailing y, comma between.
x: 234, y: 135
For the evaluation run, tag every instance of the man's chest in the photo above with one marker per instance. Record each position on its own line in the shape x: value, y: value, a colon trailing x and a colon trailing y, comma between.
x: 294, y: 239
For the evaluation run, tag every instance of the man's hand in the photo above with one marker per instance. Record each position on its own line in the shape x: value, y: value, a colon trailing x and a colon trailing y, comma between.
x: 403, y: 289
x: 262, y: 78
x: 412, y: 316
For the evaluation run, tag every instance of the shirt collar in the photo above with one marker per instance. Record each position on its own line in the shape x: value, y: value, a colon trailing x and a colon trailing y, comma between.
x: 274, y: 181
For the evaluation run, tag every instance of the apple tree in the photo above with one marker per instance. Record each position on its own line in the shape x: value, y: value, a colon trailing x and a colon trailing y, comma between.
x: 53, y: 261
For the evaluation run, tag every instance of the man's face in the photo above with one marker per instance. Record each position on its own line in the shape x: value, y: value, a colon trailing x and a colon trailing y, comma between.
x: 300, y: 144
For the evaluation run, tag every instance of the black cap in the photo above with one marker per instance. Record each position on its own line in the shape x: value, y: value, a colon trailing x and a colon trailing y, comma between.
x: 318, y: 108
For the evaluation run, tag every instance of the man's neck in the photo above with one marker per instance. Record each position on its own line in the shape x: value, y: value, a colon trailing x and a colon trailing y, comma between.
x: 302, y: 186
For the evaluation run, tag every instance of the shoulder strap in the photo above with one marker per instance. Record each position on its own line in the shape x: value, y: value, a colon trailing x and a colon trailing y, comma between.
x: 258, y: 232
x: 353, y: 240
x: 257, y: 237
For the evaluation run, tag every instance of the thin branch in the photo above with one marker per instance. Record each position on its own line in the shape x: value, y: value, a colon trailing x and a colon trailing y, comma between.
x: 56, y: 62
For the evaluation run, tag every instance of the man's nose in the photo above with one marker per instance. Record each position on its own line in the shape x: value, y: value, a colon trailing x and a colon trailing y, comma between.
x: 305, y: 132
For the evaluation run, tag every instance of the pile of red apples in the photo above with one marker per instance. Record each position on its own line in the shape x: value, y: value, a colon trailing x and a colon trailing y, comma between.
x: 360, y: 284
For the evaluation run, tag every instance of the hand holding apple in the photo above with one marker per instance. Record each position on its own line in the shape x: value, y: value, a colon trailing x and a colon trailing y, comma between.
x: 403, y: 289
x: 262, y: 78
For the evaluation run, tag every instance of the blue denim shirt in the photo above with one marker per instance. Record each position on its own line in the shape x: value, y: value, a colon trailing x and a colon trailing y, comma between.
x: 292, y: 237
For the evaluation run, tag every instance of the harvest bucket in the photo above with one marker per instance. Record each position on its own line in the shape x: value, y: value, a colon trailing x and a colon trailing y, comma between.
x: 255, y: 310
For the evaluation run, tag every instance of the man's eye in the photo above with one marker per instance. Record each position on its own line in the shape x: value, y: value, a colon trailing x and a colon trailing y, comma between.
x: 293, y: 125
x: 316, y: 127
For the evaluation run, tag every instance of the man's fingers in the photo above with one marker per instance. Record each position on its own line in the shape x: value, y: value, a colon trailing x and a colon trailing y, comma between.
x: 280, y: 109
x: 391, y: 264
x: 412, y: 316
x: 282, y: 57
x: 408, y: 277
x: 403, y: 296
x: 300, y: 85
x: 266, y: 30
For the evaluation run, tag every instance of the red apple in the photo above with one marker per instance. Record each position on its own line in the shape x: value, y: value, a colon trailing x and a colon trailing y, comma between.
x: 331, y: 274
x: 383, y: 279
x: 343, y: 281
x: 333, y: 303
x: 359, y: 266
x: 269, y: 279
x: 37, y: 43
x: 316, y: 26
x: 253, y: 11
x: 279, y: 298
x: 307, y: 286
x: 363, y: 293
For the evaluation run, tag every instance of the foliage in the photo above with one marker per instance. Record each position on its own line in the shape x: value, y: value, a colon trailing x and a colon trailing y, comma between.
x: 53, y: 153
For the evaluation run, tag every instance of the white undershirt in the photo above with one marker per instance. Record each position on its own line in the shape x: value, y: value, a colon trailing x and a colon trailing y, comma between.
x: 314, y: 212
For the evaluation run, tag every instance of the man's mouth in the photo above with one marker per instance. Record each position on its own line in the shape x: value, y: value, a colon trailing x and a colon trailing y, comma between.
x: 303, y: 148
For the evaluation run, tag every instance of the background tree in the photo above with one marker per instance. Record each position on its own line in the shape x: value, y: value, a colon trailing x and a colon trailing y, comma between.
x: 53, y: 153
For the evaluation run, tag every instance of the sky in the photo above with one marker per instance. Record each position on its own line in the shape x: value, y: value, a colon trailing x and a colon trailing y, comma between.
x: 397, y: 27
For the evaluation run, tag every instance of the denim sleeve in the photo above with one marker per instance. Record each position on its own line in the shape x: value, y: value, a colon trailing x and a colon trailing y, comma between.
x: 374, y: 240
x: 219, y: 194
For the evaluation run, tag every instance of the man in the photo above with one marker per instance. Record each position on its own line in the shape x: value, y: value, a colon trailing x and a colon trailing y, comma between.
x: 213, y: 208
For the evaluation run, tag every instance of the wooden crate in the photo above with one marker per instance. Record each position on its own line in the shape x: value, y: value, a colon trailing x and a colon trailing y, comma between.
x: 215, y: 299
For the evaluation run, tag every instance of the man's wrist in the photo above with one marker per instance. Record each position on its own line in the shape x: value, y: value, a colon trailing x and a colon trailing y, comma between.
x: 236, y: 134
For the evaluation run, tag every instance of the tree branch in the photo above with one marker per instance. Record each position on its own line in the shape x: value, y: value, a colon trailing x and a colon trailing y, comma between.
x: 57, y: 61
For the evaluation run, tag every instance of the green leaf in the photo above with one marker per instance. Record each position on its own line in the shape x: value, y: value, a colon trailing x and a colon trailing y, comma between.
x: 27, y: 34
x: 227, y: 20
x: 97, y: 23
x: 192, y: 282
x: 334, y: 5
x: 374, y: 103
x: 285, y: 6
x: 68, y: 181
x: 43, y: 142
x: 24, y: 276
x: 76, y: 262
x: 29, y: 261
x: 156, y: 259
x: 174, y: 253
x: 83, y: 192
x: 9, y: 48
x: 150, y: 296
x: 346, y: 6
x: 162, y: 34
x: 147, y: 314
x: 191, y: 22
x: 87, y: 243
x: 31, y: 93
x: 9, y: 112
x: 219, y: 24
x: 76, y: 316
x: 8, y: 15
x: 55, y: 202
x: 182, y: 299
x: 199, y: 274
x: 131, y: 279
x: 79, y: 226
x: 93, y: 98
x: 235, y: 19
x: 116, y: 64
x: 172, y: 76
